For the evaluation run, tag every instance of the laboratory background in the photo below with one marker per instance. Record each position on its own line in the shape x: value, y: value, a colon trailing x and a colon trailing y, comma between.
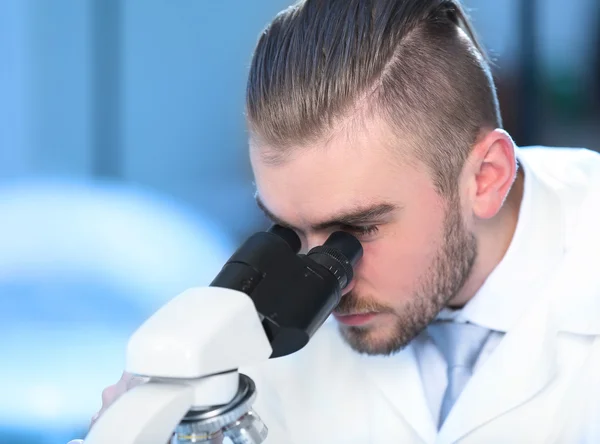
x: 124, y: 176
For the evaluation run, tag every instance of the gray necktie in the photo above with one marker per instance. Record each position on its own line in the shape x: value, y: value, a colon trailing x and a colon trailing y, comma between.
x: 460, y: 344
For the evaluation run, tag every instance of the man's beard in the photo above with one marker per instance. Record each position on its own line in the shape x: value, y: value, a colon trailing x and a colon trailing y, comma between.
x: 447, y: 274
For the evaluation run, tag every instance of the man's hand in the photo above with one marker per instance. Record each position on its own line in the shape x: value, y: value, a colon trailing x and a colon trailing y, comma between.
x: 111, y: 393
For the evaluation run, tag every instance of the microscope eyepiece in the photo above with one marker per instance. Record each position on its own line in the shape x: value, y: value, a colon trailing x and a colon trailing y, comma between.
x: 293, y: 293
x: 287, y: 235
x: 339, y: 254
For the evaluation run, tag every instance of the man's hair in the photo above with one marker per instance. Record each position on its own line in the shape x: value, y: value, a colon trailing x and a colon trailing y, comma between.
x: 416, y: 63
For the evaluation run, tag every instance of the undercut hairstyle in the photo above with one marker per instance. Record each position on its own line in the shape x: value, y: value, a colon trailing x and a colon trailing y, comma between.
x: 415, y: 63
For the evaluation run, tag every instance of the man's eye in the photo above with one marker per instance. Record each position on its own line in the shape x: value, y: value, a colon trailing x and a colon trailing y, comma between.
x: 366, y: 230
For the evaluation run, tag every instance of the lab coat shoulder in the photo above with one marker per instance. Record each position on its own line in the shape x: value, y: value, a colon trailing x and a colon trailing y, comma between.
x: 573, y: 176
x: 573, y: 293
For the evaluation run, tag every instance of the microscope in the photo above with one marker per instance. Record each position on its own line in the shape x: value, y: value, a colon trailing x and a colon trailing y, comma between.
x: 267, y: 301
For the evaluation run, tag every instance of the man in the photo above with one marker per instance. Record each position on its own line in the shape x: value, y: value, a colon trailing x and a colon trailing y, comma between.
x: 380, y: 118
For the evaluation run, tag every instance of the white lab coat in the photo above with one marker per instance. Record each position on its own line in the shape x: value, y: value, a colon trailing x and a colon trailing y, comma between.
x: 540, y: 385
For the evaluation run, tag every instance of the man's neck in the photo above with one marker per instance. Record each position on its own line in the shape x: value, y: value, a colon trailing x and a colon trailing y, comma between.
x: 493, y: 241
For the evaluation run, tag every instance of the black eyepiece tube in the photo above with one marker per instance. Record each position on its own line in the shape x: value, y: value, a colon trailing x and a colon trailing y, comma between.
x: 346, y: 244
x: 339, y: 254
x: 293, y: 293
x: 287, y: 235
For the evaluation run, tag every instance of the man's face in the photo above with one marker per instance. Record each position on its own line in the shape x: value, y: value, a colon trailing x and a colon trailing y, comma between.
x: 417, y: 251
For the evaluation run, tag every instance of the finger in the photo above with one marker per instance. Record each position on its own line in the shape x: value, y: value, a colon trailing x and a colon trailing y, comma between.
x: 135, y: 381
x: 109, y: 394
x: 95, y: 418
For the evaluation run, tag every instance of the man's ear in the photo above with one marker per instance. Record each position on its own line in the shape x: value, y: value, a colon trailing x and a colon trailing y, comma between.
x: 490, y: 172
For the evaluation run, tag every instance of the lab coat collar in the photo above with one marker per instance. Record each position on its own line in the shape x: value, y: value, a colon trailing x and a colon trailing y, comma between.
x: 397, y: 378
x: 522, y: 365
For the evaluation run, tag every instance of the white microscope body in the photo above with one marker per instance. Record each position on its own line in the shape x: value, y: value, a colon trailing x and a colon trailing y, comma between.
x: 267, y: 301
x: 190, y: 349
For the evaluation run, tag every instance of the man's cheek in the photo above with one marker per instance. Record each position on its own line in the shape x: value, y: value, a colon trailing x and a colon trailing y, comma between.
x: 370, y: 266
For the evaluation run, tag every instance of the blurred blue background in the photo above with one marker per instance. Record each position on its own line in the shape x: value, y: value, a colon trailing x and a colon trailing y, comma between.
x: 124, y: 177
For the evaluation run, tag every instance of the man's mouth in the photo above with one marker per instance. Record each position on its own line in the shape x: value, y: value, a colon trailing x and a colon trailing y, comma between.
x: 354, y: 320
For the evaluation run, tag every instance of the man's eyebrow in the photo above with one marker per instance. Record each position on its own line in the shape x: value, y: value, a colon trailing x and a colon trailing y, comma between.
x: 269, y: 214
x: 357, y: 216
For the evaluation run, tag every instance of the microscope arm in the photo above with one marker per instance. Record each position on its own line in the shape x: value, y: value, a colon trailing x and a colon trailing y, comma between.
x: 147, y: 414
